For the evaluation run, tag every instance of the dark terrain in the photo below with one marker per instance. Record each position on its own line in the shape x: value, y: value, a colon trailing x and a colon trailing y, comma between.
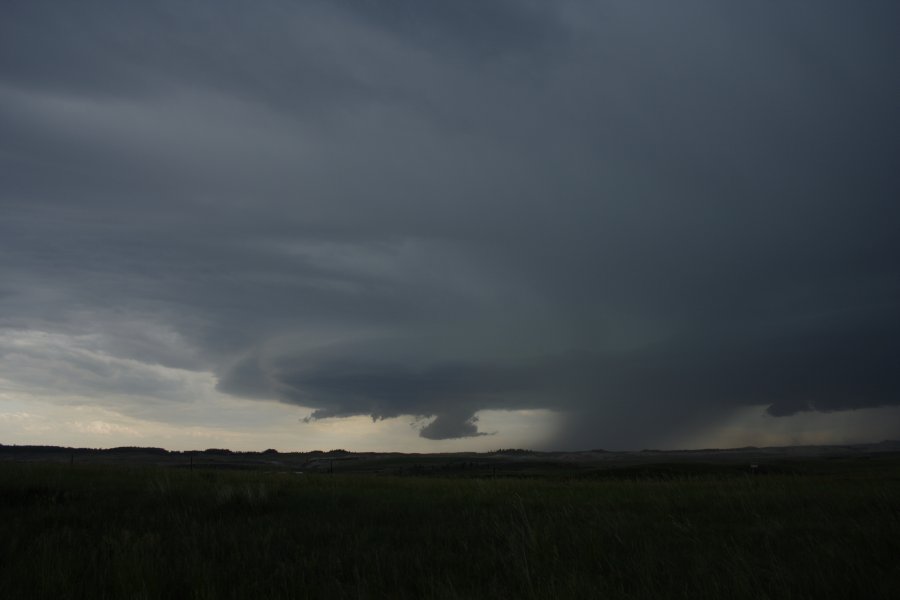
x: 815, y: 522
x: 503, y: 462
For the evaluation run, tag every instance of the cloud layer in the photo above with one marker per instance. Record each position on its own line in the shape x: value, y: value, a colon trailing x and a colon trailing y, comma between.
x: 636, y: 215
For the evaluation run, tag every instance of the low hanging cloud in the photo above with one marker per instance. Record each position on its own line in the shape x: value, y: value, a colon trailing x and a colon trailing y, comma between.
x: 639, y: 217
x: 831, y: 364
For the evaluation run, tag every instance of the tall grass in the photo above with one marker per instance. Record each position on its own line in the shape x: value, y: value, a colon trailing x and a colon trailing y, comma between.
x: 88, y: 532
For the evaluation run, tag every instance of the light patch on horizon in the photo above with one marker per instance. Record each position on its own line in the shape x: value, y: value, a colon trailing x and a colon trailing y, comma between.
x: 152, y: 405
x: 217, y: 420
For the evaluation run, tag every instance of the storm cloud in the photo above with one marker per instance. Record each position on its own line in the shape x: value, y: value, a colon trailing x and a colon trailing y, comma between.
x: 638, y: 215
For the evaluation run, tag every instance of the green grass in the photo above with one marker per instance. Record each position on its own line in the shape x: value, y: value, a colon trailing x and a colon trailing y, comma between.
x: 106, y: 532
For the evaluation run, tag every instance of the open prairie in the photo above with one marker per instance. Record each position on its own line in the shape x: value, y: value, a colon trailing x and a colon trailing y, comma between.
x: 641, y: 525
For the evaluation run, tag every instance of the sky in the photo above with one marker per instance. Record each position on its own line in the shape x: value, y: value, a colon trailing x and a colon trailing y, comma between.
x: 440, y: 226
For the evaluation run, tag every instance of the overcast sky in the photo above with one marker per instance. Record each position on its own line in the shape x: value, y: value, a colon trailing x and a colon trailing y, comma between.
x: 433, y: 225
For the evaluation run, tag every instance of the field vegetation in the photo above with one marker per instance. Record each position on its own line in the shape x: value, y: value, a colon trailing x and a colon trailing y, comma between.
x: 818, y: 530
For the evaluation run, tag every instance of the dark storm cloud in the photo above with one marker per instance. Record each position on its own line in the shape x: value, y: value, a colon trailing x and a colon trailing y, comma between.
x: 637, y: 215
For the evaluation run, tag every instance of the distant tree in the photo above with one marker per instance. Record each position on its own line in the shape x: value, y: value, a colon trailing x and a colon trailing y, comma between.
x: 136, y: 450
x: 220, y: 451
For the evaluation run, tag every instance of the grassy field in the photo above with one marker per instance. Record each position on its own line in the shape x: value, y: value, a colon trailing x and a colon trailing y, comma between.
x: 825, y: 531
